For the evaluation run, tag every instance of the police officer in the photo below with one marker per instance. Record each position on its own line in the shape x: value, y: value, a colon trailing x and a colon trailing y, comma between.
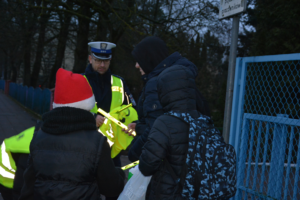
x: 110, y: 90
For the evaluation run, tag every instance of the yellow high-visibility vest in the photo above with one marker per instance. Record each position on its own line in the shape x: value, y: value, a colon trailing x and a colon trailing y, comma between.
x: 16, y: 144
x: 117, y: 139
x: 117, y: 93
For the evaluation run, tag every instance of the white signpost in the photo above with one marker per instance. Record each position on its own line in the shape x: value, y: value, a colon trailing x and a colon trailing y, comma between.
x: 230, y: 8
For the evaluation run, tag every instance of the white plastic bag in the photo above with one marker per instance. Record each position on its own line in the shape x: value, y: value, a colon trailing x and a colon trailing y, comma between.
x: 136, y: 187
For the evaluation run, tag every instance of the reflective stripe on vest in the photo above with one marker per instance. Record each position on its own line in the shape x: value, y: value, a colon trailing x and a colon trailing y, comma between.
x: 16, y: 144
x: 6, y: 159
x: 117, y: 92
x: 7, y: 174
x: 6, y: 178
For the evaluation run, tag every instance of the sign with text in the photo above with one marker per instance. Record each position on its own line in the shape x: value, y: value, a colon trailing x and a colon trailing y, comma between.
x: 229, y: 8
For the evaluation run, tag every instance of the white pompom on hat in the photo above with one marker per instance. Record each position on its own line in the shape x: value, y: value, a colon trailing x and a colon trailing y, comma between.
x: 72, y: 90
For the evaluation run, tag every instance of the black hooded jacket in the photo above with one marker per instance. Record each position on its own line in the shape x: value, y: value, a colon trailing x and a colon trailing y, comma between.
x: 151, y: 54
x: 168, y: 138
x: 69, y: 159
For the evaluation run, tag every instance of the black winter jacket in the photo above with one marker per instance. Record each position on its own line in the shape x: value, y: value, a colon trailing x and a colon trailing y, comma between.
x: 168, y: 138
x: 69, y: 159
x: 149, y: 107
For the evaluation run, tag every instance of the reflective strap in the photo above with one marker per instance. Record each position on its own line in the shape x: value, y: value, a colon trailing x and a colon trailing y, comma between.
x: 117, y: 86
x: 122, y: 88
x: 117, y: 89
x: 6, y: 174
x: 5, y: 158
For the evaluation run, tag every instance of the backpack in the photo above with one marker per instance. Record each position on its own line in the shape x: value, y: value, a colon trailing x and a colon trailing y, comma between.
x: 210, y: 168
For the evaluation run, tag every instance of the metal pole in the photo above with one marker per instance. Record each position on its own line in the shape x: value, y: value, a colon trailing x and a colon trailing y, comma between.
x: 230, y: 78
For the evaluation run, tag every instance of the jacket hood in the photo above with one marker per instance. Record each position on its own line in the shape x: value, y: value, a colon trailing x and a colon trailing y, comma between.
x: 177, y: 89
x: 173, y: 59
x: 150, y: 52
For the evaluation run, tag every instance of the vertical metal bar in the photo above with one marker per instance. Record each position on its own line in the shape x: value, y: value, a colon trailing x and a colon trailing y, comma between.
x: 289, y: 164
x: 230, y: 78
x: 297, y: 173
x: 280, y: 162
x: 250, y: 153
x: 257, y: 157
x: 265, y: 158
x: 242, y: 159
x: 274, y: 161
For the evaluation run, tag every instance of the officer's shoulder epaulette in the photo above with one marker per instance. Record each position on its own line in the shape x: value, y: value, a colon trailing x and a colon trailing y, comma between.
x: 118, y: 77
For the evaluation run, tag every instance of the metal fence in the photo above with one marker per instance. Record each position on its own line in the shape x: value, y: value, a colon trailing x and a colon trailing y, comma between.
x: 265, y: 127
x: 36, y: 99
x: 2, y: 84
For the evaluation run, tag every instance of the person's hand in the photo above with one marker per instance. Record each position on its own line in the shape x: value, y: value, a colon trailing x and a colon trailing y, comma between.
x: 99, y: 120
x: 130, y: 128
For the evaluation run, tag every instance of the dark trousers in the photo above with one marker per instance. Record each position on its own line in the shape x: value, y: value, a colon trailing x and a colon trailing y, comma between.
x: 117, y: 162
x: 7, y: 194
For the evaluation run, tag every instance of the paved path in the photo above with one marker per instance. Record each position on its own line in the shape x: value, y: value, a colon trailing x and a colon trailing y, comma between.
x: 14, y: 119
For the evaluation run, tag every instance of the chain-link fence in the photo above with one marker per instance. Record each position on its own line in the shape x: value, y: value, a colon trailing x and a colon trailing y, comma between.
x: 267, y: 127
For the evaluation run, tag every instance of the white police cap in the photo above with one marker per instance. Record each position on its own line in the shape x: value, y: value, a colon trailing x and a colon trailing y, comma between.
x: 101, y: 50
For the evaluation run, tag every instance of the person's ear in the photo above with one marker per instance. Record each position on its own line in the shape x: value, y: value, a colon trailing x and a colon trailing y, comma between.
x: 90, y: 59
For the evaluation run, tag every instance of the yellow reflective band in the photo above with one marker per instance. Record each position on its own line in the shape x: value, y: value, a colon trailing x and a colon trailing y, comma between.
x: 6, y: 174
x: 5, y: 158
x: 117, y: 89
x: 130, y: 165
x: 122, y: 91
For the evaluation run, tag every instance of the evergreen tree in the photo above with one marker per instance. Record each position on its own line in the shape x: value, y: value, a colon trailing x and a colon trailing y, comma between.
x: 275, y: 24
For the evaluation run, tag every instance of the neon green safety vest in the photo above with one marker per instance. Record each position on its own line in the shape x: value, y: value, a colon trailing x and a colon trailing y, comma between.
x: 16, y: 144
x: 117, y: 139
x: 117, y: 93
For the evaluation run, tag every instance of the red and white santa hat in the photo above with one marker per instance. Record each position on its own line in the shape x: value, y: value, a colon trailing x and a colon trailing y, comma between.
x: 72, y: 90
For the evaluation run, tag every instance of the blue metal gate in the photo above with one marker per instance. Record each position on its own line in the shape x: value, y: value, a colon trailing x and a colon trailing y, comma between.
x: 265, y: 127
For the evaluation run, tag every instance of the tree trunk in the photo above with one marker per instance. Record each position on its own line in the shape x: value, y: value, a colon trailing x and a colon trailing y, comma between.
x: 5, y: 66
x: 29, y: 25
x: 13, y: 75
x: 27, y: 57
x: 81, y: 51
x: 62, y: 41
x: 155, y: 16
x: 40, y: 48
x: 102, y: 29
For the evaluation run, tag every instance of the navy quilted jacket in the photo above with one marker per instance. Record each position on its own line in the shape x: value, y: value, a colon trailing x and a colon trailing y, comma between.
x: 168, y: 138
x: 149, y: 107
